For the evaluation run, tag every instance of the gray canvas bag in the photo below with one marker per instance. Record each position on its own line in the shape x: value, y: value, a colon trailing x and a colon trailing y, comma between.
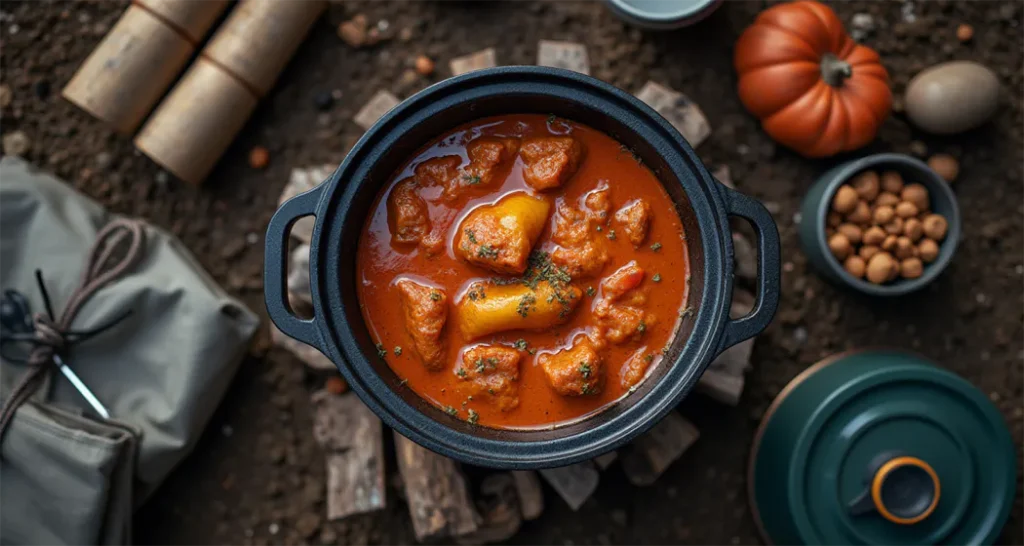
x: 68, y: 476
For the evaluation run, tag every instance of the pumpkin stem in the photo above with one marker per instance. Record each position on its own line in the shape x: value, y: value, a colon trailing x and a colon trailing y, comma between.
x: 834, y: 70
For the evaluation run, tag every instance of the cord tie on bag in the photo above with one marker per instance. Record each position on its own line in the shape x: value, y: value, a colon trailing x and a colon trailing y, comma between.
x: 50, y: 336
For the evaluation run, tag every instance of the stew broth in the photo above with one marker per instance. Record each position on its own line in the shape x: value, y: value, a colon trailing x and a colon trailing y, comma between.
x: 440, y: 258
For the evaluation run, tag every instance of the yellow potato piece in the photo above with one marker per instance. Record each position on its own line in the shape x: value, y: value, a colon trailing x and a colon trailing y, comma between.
x: 488, y: 308
x: 500, y: 237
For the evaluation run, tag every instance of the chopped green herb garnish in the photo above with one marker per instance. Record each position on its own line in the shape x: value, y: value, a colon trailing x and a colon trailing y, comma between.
x: 642, y: 327
x: 479, y: 363
x: 591, y: 292
x: 521, y: 344
x: 382, y: 351
x: 551, y: 118
x: 492, y: 361
x: 664, y: 350
x: 472, y: 180
x: 461, y: 372
x: 435, y: 295
x: 450, y: 410
x: 656, y: 247
x: 599, y: 229
x: 403, y: 382
x: 532, y: 351
x: 471, y: 236
x: 524, y: 305
x: 473, y: 417
x: 649, y: 358
x: 611, y: 235
x: 487, y: 251
x: 398, y: 350
x: 632, y: 389
x: 686, y: 312
x: 656, y: 277
x: 490, y: 392
x: 586, y: 389
x: 585, y: 370
x: 477, y: 293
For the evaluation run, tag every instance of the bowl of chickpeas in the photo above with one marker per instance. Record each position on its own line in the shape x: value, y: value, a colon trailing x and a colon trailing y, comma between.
x: 884, y: 224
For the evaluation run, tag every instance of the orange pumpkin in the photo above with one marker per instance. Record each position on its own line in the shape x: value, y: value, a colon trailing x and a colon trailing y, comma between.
x: 813, y: 88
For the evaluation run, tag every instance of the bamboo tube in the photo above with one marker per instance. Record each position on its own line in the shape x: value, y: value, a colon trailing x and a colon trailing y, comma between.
x: 195, y: 123
x: 124, y: 77
x: 200, y: 117
x: 260, y: 37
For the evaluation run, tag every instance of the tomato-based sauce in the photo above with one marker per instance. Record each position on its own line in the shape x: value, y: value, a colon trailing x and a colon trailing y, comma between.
x: 523, y: 271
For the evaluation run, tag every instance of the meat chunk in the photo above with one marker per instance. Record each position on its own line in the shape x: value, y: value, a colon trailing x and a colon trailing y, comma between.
x: 576, y: 371
x: 619, y: 309
x: 490, y: 373
x: 581, y: 249
x: 438, y: 171
x: 426, y: 311
x: 500, y: 237
x: 488, y: 157
x: 634, y: 220
x: 635, y: 368
x: 550, y: 161
x: 598, y: 202
x: 407, y: 213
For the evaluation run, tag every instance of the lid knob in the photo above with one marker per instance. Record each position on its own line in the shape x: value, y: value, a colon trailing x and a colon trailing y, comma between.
x: 903, y: 490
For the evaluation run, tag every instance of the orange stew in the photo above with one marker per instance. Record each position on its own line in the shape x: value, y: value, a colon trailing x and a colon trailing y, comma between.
x: 523, y: 271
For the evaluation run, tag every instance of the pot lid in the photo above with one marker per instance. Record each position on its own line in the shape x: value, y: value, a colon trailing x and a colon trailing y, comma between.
x: 898, y: 451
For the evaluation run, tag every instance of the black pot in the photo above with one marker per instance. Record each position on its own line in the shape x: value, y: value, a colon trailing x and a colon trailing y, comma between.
x: 342, y: 202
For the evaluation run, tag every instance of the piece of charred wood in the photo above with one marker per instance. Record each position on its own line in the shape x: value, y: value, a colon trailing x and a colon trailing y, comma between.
x: 306, y: 353
x: 650, y: 454
x: 531, y: 496
x: 379, y: 104
x: 435, y: 488
x: 352, y: 437
x: 567, y: 55
x: 725, y: 376
x: 605, y: 460
x: 485, y: 58
x: 574, y: 483
x: 498, y: 504
x: 679, y: 110
x: 302, y: 180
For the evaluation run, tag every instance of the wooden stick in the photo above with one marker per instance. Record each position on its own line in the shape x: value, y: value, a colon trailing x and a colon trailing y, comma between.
x: 193, y: 19
x: 353, y: 438
x: 724, y: 378
x: 435, y: 489
x: 605, y: 460
x: 575, y: 483
x: 499, y: 504
x: 649, y: 455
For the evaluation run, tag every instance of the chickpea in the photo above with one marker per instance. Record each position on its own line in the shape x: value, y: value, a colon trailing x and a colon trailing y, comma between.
x: 852, y: 232
x: 855, y: 265
x: 867, y: 185
x: 892, y: 182
x: 874, y: 235
x: 845, y: 200
x: 894, y: 273
x: 911, y: 268
x: 894, y: 227
x: 928, y: 250
x: 867, y: 251
x: 861, y: 214
x: 840, y: 246
x: 889, y: 243
x: 904, y: 248
x: 833, y: 219
x: 879, y: 268
x: 887, y: 199
x: 935, y: 227
x: 906, y: 210
x: 884, y: 214
x: 913, y: 229
x: 916, y: 194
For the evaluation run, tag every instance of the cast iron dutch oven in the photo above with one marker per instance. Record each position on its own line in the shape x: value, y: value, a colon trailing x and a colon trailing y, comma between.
x: 342, y: 202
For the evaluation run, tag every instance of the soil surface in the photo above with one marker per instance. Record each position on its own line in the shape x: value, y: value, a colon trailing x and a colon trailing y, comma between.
x: 257, y: 475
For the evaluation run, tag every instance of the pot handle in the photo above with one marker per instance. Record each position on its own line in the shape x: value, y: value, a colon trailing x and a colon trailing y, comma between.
x: 768, y: 270
x: 275, y: 268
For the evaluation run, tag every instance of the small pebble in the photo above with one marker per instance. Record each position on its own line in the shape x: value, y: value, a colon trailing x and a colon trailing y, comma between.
x: 323, y: 100
x: 424, y: 65
x: 227, y: 431
x: 383, y: 25
x: 336, y: 385
x: 252, y: 238
x: 964, y: 32
x: 337, y: 94
x: 863, y: 21
x: 103, y: 160
x: 5, y: 96
x: 352, y: 34
x: 405, y: 34
x: 17, y: 143
x: 945, y: 166
x: 918, y: 148
x: 800, y: 335
x: 259, y: 157
x: 273, y: 528
x: 162, y: 179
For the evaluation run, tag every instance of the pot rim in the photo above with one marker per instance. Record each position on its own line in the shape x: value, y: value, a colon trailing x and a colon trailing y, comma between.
x: 937, y: 188
x: 712, y: 329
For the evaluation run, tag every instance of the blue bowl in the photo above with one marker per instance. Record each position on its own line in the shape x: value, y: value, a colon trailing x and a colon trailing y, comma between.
x: 818, y: 201
x: 663, y: 14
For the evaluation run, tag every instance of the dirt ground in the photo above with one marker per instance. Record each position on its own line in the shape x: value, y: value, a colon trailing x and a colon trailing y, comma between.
x: 257, y: 476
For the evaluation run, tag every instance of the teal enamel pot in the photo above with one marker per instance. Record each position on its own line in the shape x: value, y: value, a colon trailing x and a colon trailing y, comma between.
x: 663, y: 14
x: 881, y: 447
x: 818, y: 201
